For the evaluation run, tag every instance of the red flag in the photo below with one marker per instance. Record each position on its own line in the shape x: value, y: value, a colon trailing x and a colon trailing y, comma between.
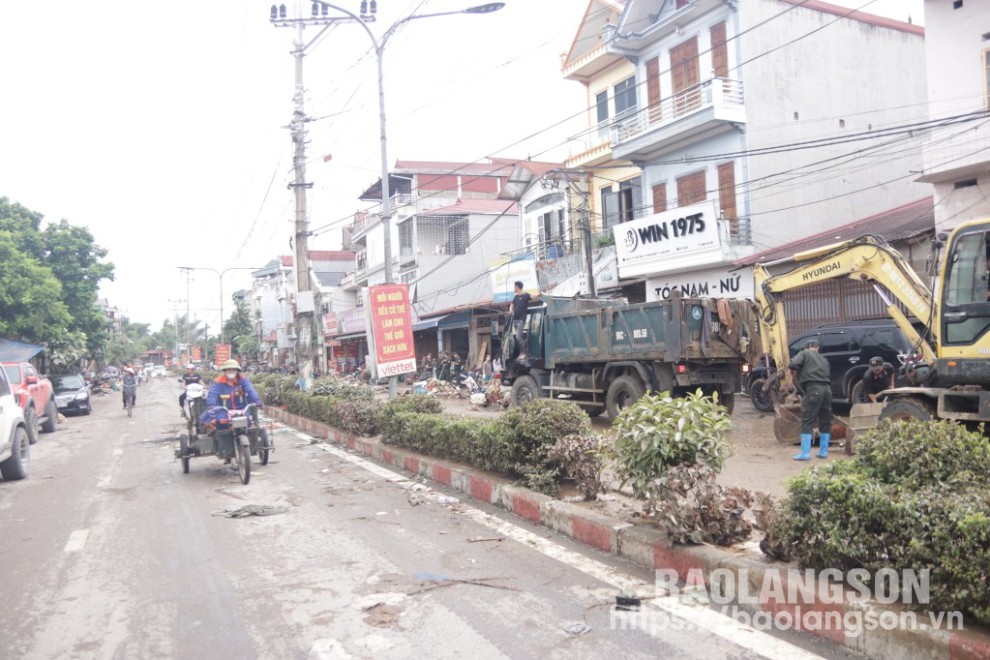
x: 328, y: 158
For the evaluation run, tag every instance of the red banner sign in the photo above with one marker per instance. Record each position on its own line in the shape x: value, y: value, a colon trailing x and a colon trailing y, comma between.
x: 197, y: 354
x: 221, y: 354
x: 391, y: 326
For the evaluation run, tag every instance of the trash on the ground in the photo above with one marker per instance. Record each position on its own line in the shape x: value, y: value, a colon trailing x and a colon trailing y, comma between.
x: 251, y: 510
x: 382, y: 513
x: 627, y: 603
x: 577, y: 628
x: 381, y: 615
x: 479, y: 539
x: 414, y: 498
x: 447, y: 499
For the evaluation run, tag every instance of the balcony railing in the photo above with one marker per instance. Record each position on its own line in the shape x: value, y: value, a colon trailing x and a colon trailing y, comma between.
x: 718, y: 93
x: 374, y: 216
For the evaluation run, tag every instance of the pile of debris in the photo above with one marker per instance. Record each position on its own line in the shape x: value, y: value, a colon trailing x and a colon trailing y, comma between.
x: 439, y: 388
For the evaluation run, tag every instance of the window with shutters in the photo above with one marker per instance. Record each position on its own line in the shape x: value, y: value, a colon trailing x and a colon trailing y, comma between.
x: 653, y: 89
x: 720, y: 52
x: 660, y: 198
x: 727, y: 195
x: 601, y: 113
x: 625, y: 98
x: 691, y: 189
x: 685, y: 76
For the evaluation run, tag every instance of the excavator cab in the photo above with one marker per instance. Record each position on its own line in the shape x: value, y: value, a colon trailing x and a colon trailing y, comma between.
x: 965, y: 310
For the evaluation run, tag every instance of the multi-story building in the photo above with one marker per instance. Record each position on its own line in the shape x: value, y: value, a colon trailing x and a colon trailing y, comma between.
x: 751, y: 124
x: 957, y: 158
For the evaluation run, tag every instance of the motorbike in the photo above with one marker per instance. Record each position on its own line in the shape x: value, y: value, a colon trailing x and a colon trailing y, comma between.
x: 236, y: 435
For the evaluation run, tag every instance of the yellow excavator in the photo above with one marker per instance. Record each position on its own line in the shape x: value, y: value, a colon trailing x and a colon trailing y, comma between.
x: 949, y: 368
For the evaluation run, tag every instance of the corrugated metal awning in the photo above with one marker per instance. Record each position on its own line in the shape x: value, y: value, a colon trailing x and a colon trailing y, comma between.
x: 18, y: 351
x: 428, y: 324
x: 456, y: 321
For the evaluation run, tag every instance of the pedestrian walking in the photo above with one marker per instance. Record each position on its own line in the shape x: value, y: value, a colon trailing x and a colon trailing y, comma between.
x: 810, y: 369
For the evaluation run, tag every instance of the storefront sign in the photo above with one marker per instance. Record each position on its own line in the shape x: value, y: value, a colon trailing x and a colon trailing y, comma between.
x: 351, y: 321
x: 391, y: 329
x: 330, y: 324
x: 221, y: 353
x: 506, y: 272
x: 197, y: 354
x: 669, y: 241
x: 712, y: 283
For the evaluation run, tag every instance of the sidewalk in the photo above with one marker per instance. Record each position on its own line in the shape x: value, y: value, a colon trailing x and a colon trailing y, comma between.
x: 647, y: 547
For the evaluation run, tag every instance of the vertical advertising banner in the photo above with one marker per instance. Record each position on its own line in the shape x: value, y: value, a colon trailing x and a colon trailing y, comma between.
x: 197, y: 354
x: 391, y: 329
x: 221, y: 354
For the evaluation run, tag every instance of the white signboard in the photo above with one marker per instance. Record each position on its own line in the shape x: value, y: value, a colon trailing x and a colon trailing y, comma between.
x: 505, y: 273
x: 711, y: 283
x: 670, y: 241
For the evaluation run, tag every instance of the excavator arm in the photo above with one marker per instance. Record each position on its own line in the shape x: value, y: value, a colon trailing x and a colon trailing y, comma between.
x: 868, y: 258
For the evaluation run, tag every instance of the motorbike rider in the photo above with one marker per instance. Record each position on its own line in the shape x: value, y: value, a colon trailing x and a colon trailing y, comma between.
x: 231, y: 390
x: 187, y: 379
x: 129, y: 388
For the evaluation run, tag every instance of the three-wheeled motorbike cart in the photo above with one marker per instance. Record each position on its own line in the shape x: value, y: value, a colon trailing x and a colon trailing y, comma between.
x: 235, y: 435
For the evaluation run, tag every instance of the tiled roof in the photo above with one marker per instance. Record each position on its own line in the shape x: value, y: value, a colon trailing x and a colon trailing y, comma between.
x: 863, y: 17
x: 473, y: 205
x: 895, y: 224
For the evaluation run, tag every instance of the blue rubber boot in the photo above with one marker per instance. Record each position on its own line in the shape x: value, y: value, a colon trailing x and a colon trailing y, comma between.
x: 805, y: 454
x: 824, y: 439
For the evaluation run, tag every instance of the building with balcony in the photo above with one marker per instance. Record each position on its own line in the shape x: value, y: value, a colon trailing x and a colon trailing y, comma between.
x: 761, y: 115
x: 610, y: 186
x: 956, y: 158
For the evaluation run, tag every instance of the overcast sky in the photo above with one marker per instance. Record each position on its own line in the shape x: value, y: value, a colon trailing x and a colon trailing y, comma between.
x: 159, y: 125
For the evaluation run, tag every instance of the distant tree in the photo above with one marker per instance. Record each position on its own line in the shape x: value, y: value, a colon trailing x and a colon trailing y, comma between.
x: 239, y: 328
x: 31, y: 307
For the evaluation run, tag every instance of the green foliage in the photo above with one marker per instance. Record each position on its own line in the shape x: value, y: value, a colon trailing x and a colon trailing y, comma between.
x: 31, y: 305
x: 276, y: 390
x: 344, y: 390
x: 659, y: 432
x: 915, y: 454
x: 419, y: 403
x: 239, y: 331
x: 915, y: 497
x: 360, y: 416
x: 580, y: 456
x: 540, y: 423
x: 694, y: 508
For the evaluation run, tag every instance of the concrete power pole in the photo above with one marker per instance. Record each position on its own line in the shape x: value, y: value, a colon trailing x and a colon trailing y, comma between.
x: 304, y: 292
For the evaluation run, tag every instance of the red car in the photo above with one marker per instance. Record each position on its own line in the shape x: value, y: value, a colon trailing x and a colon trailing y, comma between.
x: 35, y: 396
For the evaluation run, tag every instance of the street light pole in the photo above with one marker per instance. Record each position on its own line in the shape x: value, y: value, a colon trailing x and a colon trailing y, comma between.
x: 379, y: 48
x: 219, y: 274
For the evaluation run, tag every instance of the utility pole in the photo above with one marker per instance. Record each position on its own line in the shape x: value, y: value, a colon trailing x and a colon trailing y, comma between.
x: 305, y: 304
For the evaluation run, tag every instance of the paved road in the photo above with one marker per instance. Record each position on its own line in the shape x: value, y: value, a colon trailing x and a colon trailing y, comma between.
x: 109, y: 551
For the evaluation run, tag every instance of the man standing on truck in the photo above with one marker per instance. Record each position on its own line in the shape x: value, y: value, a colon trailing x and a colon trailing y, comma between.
x: 811, y: 370
x: 518, y: 308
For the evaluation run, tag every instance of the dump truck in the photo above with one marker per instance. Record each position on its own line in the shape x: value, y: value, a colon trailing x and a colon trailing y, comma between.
x: 605, y: 354
x: 946, y: 319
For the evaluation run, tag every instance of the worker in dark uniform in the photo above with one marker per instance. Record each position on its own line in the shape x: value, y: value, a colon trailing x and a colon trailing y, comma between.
x: 810, y: 369
x: 880, y: 377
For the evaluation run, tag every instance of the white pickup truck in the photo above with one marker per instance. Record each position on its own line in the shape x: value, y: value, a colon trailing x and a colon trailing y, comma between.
x: 15, y: 450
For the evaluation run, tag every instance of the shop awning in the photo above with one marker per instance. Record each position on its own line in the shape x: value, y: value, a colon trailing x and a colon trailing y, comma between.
x: 428, y: 324
x: 353, y: 335
x: 456, y: 321
x: 18, y: 351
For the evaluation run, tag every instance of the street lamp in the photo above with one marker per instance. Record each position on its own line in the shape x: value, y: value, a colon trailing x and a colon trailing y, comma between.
x: 379, y: 47
x: 219, y: 274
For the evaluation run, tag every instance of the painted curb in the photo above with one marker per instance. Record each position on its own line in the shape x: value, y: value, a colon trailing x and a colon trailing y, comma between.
x: 650, y: 548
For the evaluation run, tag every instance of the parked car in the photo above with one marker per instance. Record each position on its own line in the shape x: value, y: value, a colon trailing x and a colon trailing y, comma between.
x: 15, y: 447
x: 848, y: 347
x: 35, y: 397
x: 159, y: 372
x: 72, y: 394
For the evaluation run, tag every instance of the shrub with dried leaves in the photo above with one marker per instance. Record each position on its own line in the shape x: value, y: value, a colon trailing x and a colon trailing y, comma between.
x: 581, y: 458
x: 694, y: 508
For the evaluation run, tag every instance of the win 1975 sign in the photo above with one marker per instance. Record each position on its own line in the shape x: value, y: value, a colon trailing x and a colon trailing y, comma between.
x: 681, y: 238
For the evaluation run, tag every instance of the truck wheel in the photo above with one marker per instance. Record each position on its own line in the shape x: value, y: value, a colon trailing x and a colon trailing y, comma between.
x: 622, y: 393
x: 525, y: 388
x: 762, y: 400
x: 901, y: 410
x: 728, y: 401
x: 51, y: 418
x: 31, y: 422
x: 16, y: 467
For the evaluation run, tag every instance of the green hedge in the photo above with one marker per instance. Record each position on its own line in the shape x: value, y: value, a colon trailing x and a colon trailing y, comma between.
x: 914, y: 497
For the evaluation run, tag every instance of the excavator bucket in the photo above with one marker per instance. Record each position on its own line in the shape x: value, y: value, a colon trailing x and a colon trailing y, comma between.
x: 787, y: 423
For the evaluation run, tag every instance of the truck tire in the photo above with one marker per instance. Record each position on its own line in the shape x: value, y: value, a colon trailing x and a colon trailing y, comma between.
x: 622, y: 393
x: 525, y: 388
x: 51, y: 418
x: 728, y: 401
x: 16, y: 467
x: 762, y: 401
x: 900, y: 410
x: 31, y: 422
